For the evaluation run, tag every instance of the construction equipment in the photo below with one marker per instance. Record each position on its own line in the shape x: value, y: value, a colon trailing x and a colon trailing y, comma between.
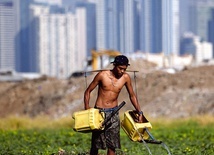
x: 96, y: 55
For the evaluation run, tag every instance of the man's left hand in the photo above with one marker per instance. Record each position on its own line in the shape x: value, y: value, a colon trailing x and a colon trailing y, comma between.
x: 140, y: 118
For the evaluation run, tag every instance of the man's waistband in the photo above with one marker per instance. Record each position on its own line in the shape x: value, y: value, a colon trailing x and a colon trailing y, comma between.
x: 107, y: 109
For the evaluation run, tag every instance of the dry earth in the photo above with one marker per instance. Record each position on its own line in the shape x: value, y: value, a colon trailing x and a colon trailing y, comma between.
x: 187, y: 93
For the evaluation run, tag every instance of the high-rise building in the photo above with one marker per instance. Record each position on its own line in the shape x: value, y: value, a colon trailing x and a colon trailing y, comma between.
x: 211, y: 30
x: 145, y: 26
x: 14, y: 34
x: 59, y: 42
x: 159, y: 26
x: 7, y: 34
x: 131, y: 21
x: 23, y: 49
x: 170, y: 27
x: 199, y: 15
x: 184, y: 6
x: 35, y: 12
x: 55, y: 43
x: 101, y: 24
x: 108, y: 19
x: 88, y: 17
x: 150, y: 26
x: 117, y: 25
x: 156, y: 26
x: 81, y: 33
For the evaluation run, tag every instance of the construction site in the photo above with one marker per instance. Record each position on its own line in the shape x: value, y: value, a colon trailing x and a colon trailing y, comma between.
x: 183, y: 93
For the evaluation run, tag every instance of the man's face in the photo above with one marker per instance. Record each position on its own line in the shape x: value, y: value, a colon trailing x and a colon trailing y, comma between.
x: 120, y: 69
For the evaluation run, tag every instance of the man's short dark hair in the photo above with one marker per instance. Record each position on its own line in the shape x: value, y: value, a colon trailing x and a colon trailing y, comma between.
x: 121, y: 60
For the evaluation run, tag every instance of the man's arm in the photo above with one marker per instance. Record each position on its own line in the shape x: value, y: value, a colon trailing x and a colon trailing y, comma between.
x: 133, y: 97
x: 90, y: 88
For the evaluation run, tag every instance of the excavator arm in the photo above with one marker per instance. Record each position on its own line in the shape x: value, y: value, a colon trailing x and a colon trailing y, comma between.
x: 97, y: 54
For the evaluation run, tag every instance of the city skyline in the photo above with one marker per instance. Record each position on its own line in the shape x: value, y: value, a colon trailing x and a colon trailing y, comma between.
x: 29, y: 40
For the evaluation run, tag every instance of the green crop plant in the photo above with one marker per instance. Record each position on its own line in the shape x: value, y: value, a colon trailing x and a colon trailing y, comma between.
x: 192, y: 136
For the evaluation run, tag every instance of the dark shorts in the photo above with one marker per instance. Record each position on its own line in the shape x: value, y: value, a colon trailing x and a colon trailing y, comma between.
x: 110, y: 136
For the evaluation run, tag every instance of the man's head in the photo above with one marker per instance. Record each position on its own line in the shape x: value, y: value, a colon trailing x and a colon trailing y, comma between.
x: 121, y: 60
x: 121, y: 63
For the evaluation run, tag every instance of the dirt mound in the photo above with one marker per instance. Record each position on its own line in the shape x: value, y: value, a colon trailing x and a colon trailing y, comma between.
x: 187, y: 93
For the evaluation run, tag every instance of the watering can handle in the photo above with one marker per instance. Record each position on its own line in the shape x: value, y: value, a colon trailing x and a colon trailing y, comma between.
x: 113, y: 113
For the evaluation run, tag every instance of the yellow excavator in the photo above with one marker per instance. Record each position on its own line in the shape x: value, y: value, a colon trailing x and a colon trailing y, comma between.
x: 96, y: 55
x: 94, y: 60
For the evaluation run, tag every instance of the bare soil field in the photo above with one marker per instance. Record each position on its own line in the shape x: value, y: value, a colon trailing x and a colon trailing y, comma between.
x: 186, y: 93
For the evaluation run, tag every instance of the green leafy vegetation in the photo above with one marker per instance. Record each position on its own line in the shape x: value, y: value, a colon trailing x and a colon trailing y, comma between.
x: 189, y: 137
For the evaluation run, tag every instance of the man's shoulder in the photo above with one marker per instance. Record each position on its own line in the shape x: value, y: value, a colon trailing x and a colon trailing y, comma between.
x: 103, y: 73
x: 126, y: 74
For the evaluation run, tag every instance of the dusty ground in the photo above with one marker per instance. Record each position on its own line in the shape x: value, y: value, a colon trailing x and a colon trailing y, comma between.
x: 187, y: 93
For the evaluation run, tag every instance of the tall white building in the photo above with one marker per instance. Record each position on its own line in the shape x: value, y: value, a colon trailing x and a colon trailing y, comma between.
x: 101, y: 24
x: 57, y: 50
x: 129, y: 26
x: 56, y: 32
x: 81, y: 32
x: 7, y: 35
x: 145, y: 26
x: 170, y: 28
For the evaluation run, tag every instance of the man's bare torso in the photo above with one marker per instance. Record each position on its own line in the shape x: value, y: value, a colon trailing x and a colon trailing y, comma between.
x: 109, y: 89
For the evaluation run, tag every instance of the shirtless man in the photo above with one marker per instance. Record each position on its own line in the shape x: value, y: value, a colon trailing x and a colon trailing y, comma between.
x: 110, y: 83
